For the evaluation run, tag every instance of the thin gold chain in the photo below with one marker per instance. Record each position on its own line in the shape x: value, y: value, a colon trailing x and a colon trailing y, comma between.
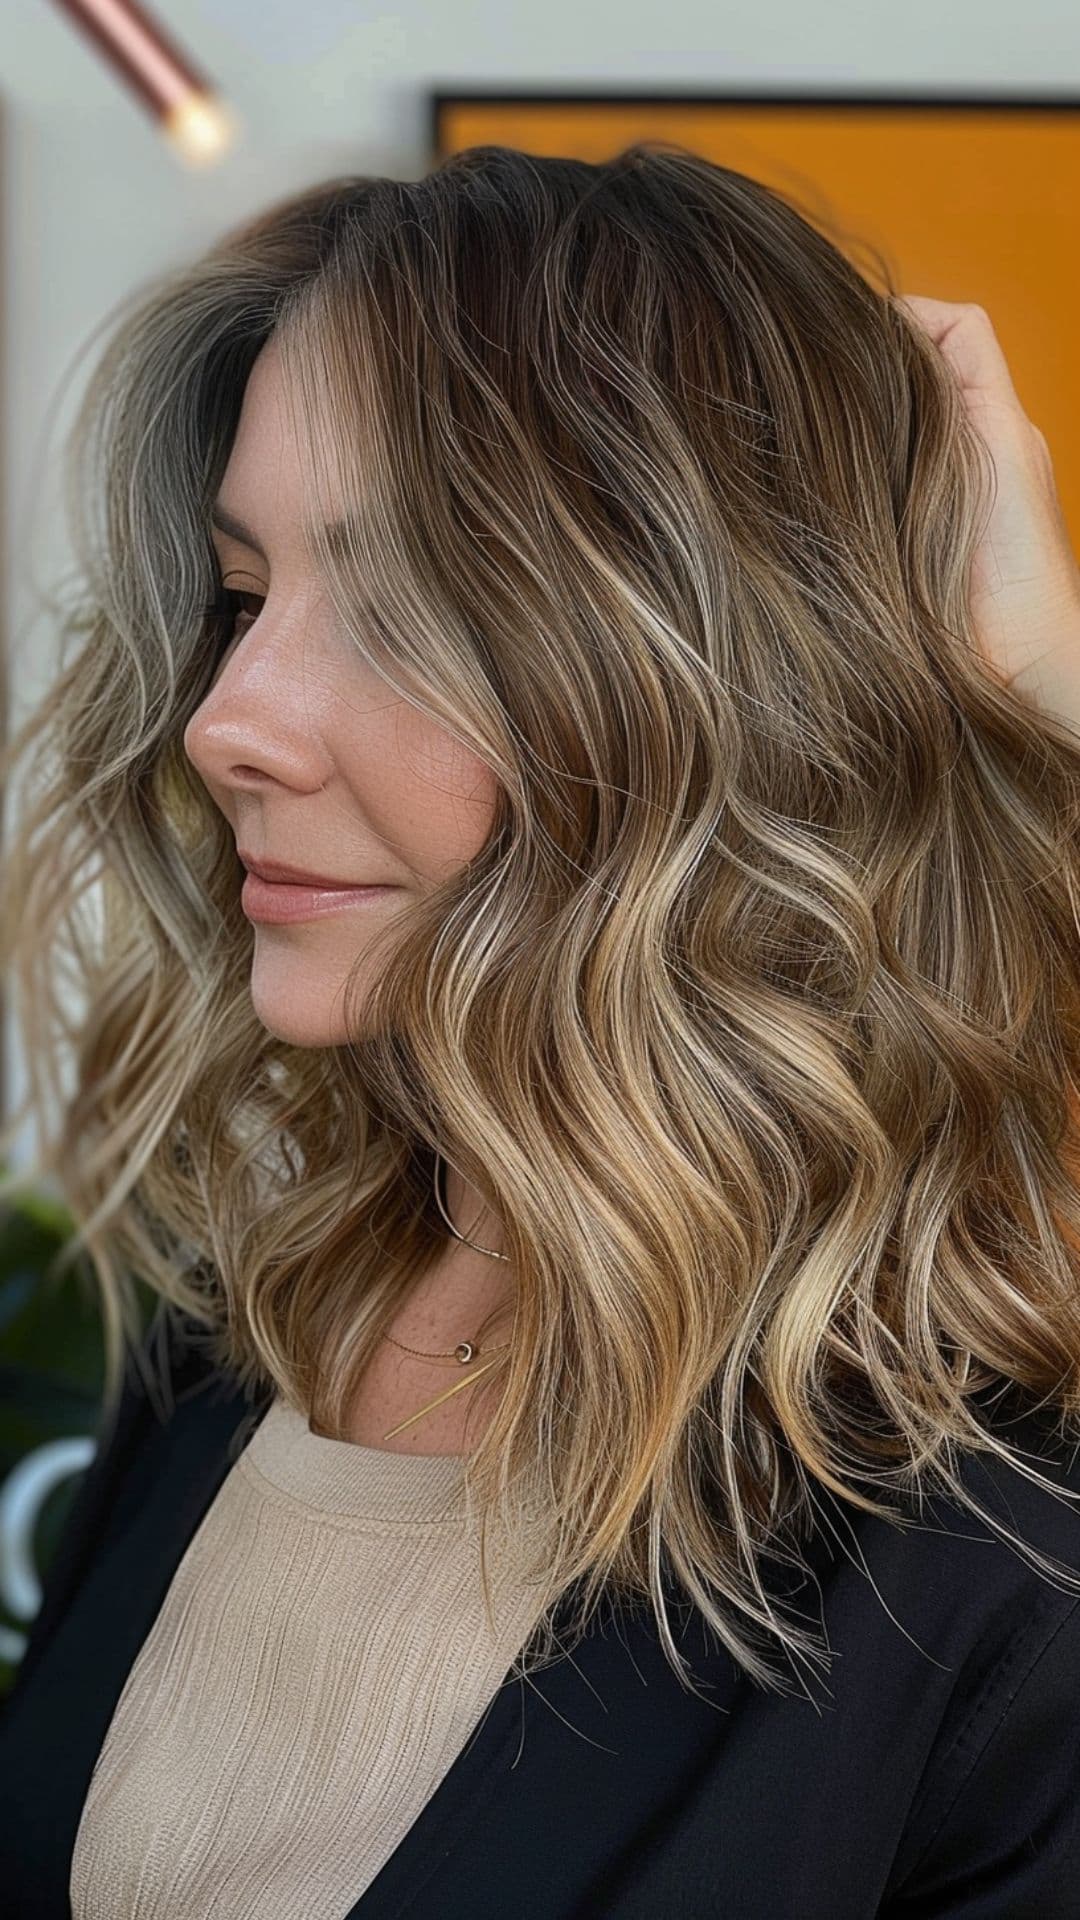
x: 465, y: 1350
x: 462, y: 1353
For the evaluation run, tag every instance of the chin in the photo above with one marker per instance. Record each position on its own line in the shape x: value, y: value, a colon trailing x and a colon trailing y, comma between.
x: 288, y: 1019
x: 299, y: 1025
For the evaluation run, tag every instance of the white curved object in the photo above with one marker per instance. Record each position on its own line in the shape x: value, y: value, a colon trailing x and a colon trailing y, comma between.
x: 22, y: 1497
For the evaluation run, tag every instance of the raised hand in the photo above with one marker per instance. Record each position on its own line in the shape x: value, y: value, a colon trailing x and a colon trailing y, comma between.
x: 1024, y: 583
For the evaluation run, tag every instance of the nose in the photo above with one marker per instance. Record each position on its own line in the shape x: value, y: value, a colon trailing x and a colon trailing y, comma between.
x: 254, y: 724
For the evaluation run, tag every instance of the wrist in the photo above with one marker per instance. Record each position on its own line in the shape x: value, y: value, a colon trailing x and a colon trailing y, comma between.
x: 1050, y: 679
x: 1051, y: 682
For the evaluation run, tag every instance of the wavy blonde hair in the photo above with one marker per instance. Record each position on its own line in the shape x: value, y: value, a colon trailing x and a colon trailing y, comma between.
x: 754, y: 1020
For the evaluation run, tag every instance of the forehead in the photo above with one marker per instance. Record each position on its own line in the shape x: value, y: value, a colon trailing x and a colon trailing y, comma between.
x: 263, y: 460
x: 260, y: 501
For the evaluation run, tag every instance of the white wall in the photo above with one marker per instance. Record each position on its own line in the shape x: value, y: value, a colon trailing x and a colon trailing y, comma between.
x: 94, y: 202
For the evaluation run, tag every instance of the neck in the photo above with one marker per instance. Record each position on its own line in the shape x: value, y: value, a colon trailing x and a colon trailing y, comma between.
x: 470, y: 1213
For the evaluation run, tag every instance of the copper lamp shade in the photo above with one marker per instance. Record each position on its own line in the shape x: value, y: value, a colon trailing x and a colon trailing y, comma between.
x: 167, y: 84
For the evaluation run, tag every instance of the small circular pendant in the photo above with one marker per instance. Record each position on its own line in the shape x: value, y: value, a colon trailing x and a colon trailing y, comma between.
x: 465, y: 1351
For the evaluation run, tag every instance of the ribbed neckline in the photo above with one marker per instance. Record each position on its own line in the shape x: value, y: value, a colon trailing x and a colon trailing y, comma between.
x: 339, y: 1476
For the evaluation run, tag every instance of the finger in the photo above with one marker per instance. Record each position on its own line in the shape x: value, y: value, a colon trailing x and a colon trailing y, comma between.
x: 933, y: 315
x: 966, y: 337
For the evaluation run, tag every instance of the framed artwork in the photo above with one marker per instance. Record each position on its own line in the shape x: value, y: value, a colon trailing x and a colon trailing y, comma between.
x: 966, y: 198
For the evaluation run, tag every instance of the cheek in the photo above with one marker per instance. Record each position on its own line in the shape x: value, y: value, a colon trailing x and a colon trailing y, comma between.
x: 434, y: 798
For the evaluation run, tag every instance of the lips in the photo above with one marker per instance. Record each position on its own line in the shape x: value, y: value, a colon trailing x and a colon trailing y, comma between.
x: 281, y: 903
x: 279, y: 874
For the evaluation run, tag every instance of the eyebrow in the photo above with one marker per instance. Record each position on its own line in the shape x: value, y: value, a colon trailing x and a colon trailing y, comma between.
x: 337, y: 533
x: 226, y: 522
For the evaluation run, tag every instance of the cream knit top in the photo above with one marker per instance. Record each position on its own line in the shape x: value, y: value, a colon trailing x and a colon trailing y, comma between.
x: 320, y: 1658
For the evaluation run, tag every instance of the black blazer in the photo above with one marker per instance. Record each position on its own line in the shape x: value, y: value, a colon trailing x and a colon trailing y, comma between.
x: 936, y: 1771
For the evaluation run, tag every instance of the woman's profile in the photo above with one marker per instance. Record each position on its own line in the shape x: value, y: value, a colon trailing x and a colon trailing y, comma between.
x: 580, y: 1032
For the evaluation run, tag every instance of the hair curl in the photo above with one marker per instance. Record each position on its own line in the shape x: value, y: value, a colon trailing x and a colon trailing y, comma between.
x: 754, y: 1020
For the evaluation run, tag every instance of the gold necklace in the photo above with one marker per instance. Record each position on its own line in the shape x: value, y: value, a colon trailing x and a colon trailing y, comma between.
x: 465, y: 1350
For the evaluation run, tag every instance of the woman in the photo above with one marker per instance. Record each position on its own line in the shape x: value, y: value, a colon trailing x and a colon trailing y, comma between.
x: 649, y: 1211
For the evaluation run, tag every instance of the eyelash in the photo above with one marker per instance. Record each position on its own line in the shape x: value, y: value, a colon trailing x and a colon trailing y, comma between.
x: 222, y: 611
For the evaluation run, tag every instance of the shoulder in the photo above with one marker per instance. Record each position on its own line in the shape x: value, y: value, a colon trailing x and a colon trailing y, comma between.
x: 954, y: 1693
x: 1021, y: 1537
x: 994, y: 1829
x: 1024, y: 1543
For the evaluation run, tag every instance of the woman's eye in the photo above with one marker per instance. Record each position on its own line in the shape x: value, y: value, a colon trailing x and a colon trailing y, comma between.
x: 237, y: 605
x: 230, y: 605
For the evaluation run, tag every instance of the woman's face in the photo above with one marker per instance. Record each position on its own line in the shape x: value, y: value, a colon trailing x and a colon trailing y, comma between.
x: 312, y: 758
